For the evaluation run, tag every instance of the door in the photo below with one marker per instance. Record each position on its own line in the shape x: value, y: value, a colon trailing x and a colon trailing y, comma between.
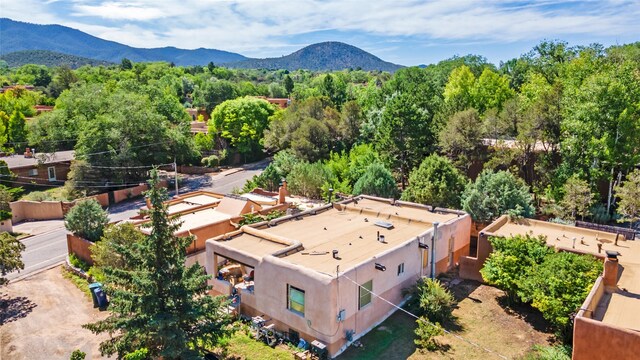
x: 52, y: 173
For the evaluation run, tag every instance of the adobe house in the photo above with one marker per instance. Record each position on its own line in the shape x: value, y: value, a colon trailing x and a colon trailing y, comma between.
x: 43, y: 169
x: 607, y: 325
x: 313, y: 273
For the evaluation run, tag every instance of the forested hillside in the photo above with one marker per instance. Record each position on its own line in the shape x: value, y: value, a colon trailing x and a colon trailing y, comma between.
x: 321, y: 57
x: 48, y: 58
x: 17, y: 36
x: 554, y: 132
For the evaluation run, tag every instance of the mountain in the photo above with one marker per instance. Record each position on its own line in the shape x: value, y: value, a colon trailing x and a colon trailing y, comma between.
x: 321, y: 56
x: 20, y: 36
x: 17, y: 36
x: 49, y: 58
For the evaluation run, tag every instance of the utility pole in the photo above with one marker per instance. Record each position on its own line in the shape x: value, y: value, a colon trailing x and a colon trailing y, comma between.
x: 175, y: 168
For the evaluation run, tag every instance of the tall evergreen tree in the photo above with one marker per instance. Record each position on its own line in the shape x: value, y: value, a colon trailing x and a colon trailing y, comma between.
x: 157, y: 302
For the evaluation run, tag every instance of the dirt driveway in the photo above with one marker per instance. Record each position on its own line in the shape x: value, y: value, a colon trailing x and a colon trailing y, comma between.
x: 41, y: 318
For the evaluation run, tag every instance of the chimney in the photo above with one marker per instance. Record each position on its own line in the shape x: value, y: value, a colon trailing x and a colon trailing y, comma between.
x: 282, y: 192
x: 610, y: 276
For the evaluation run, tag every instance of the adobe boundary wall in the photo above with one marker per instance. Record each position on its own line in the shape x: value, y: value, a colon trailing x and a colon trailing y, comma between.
x: 55, y: 210
x: 80, y: 248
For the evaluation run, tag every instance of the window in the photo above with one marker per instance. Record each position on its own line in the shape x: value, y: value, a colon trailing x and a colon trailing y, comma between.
x: 365, y: 294
x: 33, y: 172
x: 400, y: 269
x: 52, y: 173
x: 295, y: 298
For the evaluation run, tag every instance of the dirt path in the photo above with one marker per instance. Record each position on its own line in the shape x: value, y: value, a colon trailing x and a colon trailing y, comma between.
x: 43, y: 318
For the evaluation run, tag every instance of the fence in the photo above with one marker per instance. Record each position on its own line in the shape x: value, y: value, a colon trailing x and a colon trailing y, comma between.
x: 629, y: 234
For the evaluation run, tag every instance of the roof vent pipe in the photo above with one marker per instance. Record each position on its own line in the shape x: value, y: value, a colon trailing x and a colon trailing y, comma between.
x: 335, y: 254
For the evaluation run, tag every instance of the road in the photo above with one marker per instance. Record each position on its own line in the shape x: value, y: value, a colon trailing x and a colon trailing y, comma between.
x: 50, y: 248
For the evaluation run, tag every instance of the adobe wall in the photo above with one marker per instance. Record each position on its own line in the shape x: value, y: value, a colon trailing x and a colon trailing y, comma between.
x: 206, y: 232
x: 470, y: 265
x: 128, y: 193
x: 6, y: 225
x: 595, y: 340
x: 79, y: 247
x: 35, y: 210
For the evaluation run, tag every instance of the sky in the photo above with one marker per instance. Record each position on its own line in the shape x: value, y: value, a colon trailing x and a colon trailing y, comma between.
x: 404, y: 32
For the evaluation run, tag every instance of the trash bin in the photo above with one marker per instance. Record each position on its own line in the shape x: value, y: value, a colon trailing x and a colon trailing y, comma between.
x: 98, y: 295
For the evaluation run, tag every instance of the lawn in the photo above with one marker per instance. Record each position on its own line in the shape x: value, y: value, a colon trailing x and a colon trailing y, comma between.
x: 481, y: 317
x: 242, y: 346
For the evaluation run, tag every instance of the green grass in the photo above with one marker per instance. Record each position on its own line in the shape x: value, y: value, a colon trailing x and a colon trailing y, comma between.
x: 53, y: 194
x: 393, y: 338
x: 80, y: 282
x: 241, y: 345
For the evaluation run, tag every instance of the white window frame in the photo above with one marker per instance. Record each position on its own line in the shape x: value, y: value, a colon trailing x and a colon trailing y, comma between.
x: 33, y: 172
x: 289, y: 301
x: 49, y: 169
x: 400, y: 269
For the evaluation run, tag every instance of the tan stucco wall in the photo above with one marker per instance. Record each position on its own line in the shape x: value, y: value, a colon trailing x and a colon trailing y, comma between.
x: 35, y: 210
x: 469, y: 265
x: 6, y: 225
x: 79, y: 247
x: 594, y: 340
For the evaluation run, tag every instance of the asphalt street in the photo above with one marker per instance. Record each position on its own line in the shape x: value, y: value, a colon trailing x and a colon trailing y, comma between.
x: 50, y: 248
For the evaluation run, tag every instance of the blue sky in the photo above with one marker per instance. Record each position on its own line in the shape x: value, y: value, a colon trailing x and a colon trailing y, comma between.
x: 404, y: 32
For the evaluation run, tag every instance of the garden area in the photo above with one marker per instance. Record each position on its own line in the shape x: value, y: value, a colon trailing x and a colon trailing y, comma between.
x: 480, y: 316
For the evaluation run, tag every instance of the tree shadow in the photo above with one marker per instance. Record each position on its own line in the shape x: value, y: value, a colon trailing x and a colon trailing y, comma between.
x: 525, y: 312
x: 12, y: 309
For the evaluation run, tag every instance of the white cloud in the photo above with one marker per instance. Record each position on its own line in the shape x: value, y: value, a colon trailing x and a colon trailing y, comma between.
x: 261, y: 28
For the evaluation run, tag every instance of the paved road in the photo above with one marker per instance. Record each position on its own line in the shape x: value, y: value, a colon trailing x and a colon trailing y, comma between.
x: 50, y: 248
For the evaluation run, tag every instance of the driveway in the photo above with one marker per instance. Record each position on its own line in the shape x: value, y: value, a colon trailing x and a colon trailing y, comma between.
x: 41, y: 318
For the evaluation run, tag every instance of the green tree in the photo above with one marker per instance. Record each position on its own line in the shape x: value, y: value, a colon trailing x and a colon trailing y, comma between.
x: 124, y: 235
x: 436, y: 182
x: 306, y: 179
x: 87, y: 220
x: 126, y: 64
x: 288, y: 84
x: 212, y: 93
x: 559, y: 285
x: 159, y: 304
x: 495, y: 194
x: 577, y: 198
x: 404, y: 136
x: 377, y: 180
x: 491, y: 90
x: 242, y: 122
x: 10, y: 255
x: 16, y: 130
x: 461, y: 138
x: 426, y: 333
x: 459, y: 91
x: 511, y: 261
x: 629, y: 194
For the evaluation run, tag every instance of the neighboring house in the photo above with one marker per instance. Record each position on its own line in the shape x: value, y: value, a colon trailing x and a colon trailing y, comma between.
x: 194, y: 113
x: 40, y: 169
x: 13, y: 87
x: 314, y: 273
x: 43, y: 108
x: 607, y: 326
x: 282, y: 103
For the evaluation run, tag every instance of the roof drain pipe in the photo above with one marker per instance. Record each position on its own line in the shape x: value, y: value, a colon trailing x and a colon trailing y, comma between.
x: 433, y: 249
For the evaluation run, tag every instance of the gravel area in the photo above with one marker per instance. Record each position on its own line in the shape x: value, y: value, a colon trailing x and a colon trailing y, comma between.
x: 41, y: 318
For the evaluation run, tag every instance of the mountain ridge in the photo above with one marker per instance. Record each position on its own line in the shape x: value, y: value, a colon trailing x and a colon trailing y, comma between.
x: 330, y: 55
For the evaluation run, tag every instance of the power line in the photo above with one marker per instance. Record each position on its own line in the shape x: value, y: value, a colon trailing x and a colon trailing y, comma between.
x: 427, y: 321
x: 33, y: 183
x: 78, y: 181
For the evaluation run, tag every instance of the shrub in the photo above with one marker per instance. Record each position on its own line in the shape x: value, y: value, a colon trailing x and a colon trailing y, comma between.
x: 511, y: 260
x: 426, y: 332
x: 307, y: 179
x: 78, y: 355
x: 87, y: 220
x: 558, y: 352
x: 377, y: 181
x: 436, y: 182
x: 140, y: 354
x: 78, y: 263
x: 436, y: 301
x: 495, y: 194
x: 211, y: 161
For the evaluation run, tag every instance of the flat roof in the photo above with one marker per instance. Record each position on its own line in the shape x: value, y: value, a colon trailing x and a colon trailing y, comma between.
x: 348, y: 228
x: 621, y: 308
x: 197, y: 219
x: 192, y: 202
x: 18, y: 160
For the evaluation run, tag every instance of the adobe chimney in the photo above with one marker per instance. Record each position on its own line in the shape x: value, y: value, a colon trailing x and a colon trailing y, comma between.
x: 282, y: 192
x: 610, y: 276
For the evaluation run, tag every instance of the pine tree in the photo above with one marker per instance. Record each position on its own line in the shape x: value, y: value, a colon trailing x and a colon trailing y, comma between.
x: 288, y: 84
x: 16, y: 130
x: 157, y: 302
